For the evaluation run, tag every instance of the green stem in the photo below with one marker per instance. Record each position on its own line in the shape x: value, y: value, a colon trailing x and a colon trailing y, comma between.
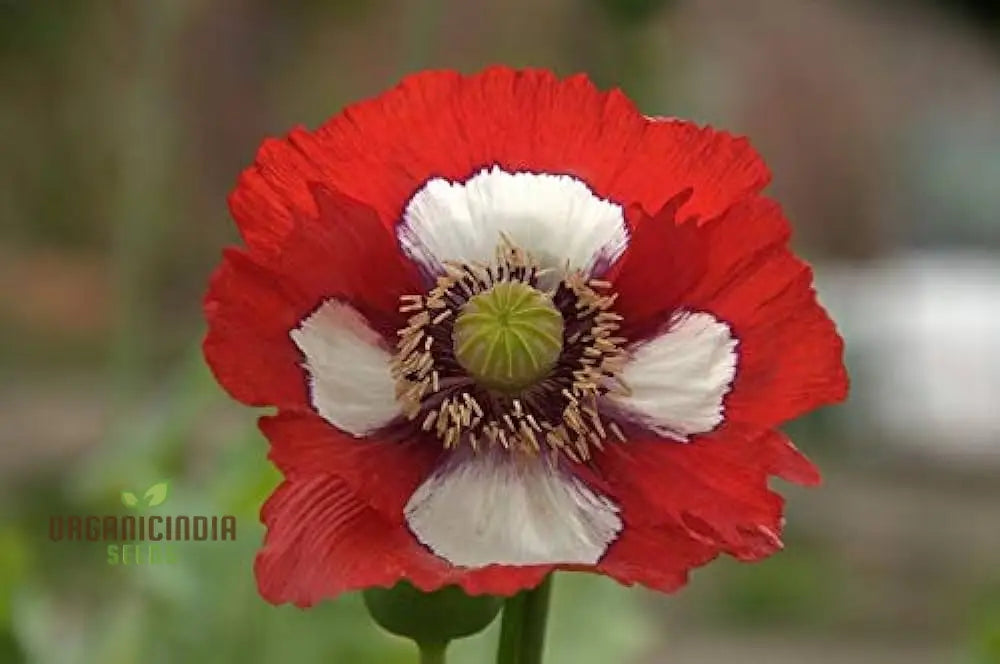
x: 522, y: 632
x: 432, y: 653
x: 511, y: 627
x: 536, y: 617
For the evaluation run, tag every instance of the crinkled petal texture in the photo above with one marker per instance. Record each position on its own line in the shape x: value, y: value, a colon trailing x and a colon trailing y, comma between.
x: 275, y: 321
x: 442, y: 124
x: 725, y: 338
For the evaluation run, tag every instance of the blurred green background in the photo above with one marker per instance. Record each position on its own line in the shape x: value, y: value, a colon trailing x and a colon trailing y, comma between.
x: 124, y: 123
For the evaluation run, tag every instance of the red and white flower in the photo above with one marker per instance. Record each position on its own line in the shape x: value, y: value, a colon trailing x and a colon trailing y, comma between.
x: 512, y: 325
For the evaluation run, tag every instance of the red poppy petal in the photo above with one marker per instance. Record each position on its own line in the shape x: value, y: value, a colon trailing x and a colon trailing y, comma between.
x: 254, y: 301
x: 275, y: 190
x: 658, y: 557
x: 663, y: 262
x: 344, y: 252
x: 443, y: 124
x: 720, y: 168
x: 790, y: 355
x: 247, y: 345
x: 322, y: 541
x: 499, y: 580
x: 383, y: 473
x: 737, y: 268
x: 716, y: 486
x: 381, y: 476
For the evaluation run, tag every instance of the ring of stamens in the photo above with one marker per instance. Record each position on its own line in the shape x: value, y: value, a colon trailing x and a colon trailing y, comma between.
x: 559, y: 412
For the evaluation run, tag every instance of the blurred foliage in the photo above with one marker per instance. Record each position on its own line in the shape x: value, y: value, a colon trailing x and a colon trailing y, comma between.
x: 37, y: 28
x: 985, y: 621
x: 799, y: 589
x: 632, y: 12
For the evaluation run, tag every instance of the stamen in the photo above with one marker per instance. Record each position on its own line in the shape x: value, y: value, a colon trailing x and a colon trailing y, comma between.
x: 533, y: 422
x: 509, y: 422
x: 555, y: 410
x: 473, y: 404
x: 615, y: 429
x: 529, y: 435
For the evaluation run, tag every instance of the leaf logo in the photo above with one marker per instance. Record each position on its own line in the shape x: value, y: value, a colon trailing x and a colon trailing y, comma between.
x: 155, y: 495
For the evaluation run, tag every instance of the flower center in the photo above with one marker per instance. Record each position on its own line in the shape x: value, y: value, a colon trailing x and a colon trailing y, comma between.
x: 509, y: 337
x: 492, y: 358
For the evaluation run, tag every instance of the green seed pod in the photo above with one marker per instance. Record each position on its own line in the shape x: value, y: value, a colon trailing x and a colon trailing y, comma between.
x: 430, y: 619
x: 509, y: 337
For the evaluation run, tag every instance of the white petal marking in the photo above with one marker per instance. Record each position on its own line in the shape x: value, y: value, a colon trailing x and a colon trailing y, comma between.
x: 484, y: 509
x: 350, y: 380
x: 679, y: 379
x: 554, y: 217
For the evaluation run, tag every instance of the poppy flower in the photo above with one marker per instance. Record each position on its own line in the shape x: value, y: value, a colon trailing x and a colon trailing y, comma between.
x: 512, y: 325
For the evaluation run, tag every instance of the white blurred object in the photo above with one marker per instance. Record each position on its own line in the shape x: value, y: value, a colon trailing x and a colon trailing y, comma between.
x: 923, y: 342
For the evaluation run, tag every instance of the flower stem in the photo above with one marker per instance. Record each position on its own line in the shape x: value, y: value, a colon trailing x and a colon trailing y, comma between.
x: 522, y: 632
x: 432, y: 653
